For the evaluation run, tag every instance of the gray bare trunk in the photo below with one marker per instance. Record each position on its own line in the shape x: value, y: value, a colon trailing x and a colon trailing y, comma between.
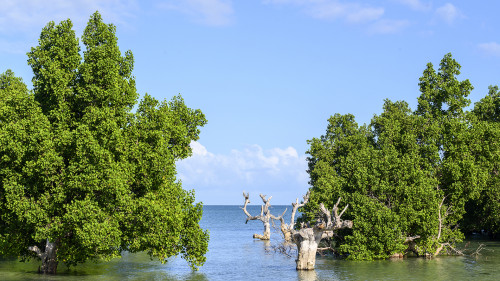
x: 267, y: 232
x: 48, y: 257
x: 307, y: 241
x: 308, y: 238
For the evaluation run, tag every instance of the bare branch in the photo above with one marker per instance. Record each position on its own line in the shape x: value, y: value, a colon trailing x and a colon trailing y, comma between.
x: 250, y: 217
x: 335, y: 211
x: 345, y: 208
x: 440, y: 219
x: 327, y: 234
x: 296, y: 206
x: 335, y: 207
x: 332, y: 223
x: 455, y: 250
x: 339, y: 223
x: 321, y: 250
x: 479, y: 248
x: 264, y: 198
x: 36, y: 250
x: 449, y: 246
x: 267, y: 204
x: 411, y: 238
x: 327, y: 217
x: 279, y: 218
x: 306, y: 198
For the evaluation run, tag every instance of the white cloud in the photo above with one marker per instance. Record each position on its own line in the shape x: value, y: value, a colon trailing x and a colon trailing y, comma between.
x: 416, y: 4
x: 491, y: 49
x: 365, y: 14
x: 21, y: 21
x: 386, y: 26
x: 448, y: 13
x: 332, y: 9
x: 27, y: 16
x: 209, y: 12
x: 274, y: 171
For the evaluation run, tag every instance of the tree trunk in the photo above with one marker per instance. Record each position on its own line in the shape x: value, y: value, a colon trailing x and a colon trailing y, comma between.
x: 307, y: 241
x: 287, y: 233
x: 48, y: 257
x: 49, y: 263
x: 267, y: 232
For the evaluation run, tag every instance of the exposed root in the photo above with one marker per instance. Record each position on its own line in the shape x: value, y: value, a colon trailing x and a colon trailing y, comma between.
x: 289, y: 250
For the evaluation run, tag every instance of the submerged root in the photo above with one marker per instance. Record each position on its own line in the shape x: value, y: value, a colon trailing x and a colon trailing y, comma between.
x: 289, y: 250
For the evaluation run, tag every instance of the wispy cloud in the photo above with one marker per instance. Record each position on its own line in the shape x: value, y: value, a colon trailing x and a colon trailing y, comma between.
x: 416, y: 5
x: 448, y: 13
x: 209, y: 12
x: 277, y: 171
x: 25, y: 15
x: 351, y: 12
x: 387, y: 26
x: 22, y: 20
x: 371, y: 17
x: 490, y: 49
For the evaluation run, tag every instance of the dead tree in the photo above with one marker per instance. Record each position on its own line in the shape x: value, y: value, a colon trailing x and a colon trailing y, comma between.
x: 287, y: 229
x: 265, y: 216
x: 308, y: 238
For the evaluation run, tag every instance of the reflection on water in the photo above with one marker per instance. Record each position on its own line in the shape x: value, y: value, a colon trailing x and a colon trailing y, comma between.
x: 308, y: 275
x: 235, y: 255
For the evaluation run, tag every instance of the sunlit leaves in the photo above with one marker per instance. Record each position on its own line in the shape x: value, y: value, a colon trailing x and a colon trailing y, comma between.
x: 79, y: 168
x: 410, y: 172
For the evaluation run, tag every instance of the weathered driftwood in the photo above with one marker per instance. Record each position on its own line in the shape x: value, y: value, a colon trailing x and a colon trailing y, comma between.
x: 308, y: 238
x: 265, y: 216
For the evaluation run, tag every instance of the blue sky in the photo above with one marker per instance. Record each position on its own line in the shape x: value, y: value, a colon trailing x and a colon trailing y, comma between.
x: 269, y: 73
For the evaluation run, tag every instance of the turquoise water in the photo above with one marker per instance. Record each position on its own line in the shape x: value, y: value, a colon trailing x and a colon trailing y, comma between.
x: 235, y: 255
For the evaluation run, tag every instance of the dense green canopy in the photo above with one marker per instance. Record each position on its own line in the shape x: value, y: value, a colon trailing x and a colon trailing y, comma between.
x: 80, y: 169
x: 484, y: 212
x: 408, y: 175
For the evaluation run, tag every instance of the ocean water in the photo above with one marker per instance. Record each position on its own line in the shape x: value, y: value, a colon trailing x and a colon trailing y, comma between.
x: 234, y: 255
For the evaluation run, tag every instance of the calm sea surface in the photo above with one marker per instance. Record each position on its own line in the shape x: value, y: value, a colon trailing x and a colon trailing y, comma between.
x: 235, y: 255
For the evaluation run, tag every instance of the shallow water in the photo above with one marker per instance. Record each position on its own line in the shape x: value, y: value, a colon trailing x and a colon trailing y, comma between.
x: 235, y: 255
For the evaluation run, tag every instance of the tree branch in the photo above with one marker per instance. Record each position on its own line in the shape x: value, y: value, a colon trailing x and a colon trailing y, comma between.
x: 296, y: 206
x: 250, y: 217
x: 440, y: 219
x: 36, y: 250
x: 337, y: 221
x: 411, y: 238
x: 327, y: 217
x: 279, y: 218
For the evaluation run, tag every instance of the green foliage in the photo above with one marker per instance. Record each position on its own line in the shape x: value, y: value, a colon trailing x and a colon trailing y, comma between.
x: 79, y: 168
x: 409, y: 173
x: 483, y: 213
